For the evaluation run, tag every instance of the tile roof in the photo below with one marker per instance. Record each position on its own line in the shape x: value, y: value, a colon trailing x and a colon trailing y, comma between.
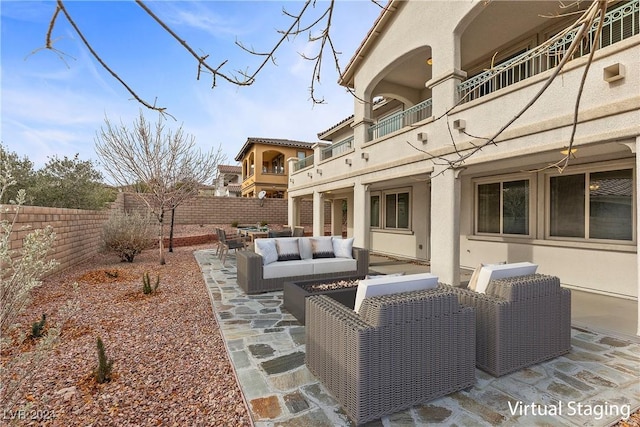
x: 229, y: 169
x: 271, y: 141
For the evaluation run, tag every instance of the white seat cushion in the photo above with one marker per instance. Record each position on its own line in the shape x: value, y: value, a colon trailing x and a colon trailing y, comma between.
x: 333, y: 265
x: 393, y: 285
x: 287, y: 269
x: 501, y: 271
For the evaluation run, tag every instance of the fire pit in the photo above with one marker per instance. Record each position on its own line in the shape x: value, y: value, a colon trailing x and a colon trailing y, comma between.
x: 341, y: 289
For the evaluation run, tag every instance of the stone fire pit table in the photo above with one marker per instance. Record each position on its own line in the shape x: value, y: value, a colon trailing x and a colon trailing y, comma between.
x: 295, y: 293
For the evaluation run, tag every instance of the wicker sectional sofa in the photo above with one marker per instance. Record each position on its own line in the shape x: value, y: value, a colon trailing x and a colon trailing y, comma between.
x: 398, y: 351
x: 520, y: 321
x: 256, y: 277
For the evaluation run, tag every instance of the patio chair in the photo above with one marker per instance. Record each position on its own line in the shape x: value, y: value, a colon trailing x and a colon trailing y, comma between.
x: 520, y: 321
x: 398, y: 351
x: 283, y: 233
x: 225, y: 244
x: 298, y: 231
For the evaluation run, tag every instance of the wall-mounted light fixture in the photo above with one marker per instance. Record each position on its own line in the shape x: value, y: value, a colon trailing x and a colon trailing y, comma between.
x: 309, y: 174
x: 291, y: 180
x: 319, y: 171
x: 459, y: 124
x: 422, y: 136
x: 565, y: 152
x: 365, y: 156
x: 430, y: 61
x: 613, y: 72
x: 347, y: 161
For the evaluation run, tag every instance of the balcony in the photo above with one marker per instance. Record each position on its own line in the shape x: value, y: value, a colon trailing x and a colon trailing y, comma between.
x: 337, y: 148
x: 303, y: 163
x: 619, y: 24
x: 401, y: 119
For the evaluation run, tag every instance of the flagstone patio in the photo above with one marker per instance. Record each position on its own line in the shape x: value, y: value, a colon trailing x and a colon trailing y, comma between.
x: 596, y: 384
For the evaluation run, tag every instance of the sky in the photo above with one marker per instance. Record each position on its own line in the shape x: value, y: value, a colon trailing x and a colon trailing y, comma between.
x: 55, y: 103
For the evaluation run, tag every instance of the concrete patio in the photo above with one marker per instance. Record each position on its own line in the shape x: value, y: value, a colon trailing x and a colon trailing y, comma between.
x: 596, y: 384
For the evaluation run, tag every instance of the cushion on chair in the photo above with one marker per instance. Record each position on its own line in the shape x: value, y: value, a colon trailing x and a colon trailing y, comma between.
x: 267, y: 249
x: 342, y: 248
x: 501, y: 271
x: 393, y: 285
x: 288, y: 250
x: 322, y: 247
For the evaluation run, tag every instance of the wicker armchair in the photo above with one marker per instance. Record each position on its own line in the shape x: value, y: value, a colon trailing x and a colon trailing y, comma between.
x: 520, y: 321
x: 400, y: 350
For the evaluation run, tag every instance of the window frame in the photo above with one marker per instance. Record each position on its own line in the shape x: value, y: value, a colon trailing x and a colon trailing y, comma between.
x: 586, y: 171
x: 377, y: 194
x: 501, y: 179
x: 383, y: 208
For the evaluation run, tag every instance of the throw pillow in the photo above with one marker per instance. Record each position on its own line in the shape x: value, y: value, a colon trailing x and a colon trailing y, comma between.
x: 267, y: 249
x: 322, y: 248
x: 342, y: 247
x: 288, y: 249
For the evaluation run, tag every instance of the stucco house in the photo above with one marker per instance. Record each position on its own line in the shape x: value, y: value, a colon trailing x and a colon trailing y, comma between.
x: 434, y: 79
x: 228, y: 181
x: 265, y: 166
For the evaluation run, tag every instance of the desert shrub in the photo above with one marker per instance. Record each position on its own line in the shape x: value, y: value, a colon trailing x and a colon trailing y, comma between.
x: 128, y: 234
x: 37, y: 328
x: 103, y: 370
x: 147, y: 288
x: 263, y: 223
x: 234, y: 224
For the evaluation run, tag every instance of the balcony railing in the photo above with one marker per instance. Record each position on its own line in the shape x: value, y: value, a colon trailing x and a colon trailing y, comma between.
x: 303, y: 163
x: 619, y: 24
x: 401, y: 119
x: 337, y: 148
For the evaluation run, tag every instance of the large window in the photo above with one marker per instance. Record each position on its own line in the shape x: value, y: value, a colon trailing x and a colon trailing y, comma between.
x: 390, y: 209
x: 592, y: 205
x: 503, y: 207
x: 396, y: 210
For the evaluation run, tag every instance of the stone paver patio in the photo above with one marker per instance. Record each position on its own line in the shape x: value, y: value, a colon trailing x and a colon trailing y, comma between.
x: 598, y: 379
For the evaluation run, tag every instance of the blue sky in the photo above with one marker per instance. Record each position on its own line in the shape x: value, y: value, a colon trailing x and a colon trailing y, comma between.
x: 53, y: 106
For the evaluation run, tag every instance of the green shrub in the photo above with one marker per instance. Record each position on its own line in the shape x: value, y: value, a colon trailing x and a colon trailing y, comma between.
x: 234, y: 224
x: 37, y: 328
x: 103, y: 371
x: 128, y: 235
x: 263, y: 223
x: 146, y: 284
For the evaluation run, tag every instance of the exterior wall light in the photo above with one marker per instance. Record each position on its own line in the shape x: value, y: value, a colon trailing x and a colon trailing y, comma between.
x: 613, y: 72
x: 347, y: 161
x: 365, y: 156
x: 319, y: 171
x: 459, y: 124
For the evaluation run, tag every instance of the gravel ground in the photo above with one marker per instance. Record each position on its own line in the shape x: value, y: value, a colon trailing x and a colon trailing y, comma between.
x: 169, y: 362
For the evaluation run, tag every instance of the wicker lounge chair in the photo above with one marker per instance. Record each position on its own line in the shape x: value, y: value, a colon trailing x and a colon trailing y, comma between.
x: 520, y: 321
x: 400, y: 350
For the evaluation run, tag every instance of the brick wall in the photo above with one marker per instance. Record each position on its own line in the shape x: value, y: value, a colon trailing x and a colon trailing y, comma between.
x: 225, y: 210
x: 78, y: 232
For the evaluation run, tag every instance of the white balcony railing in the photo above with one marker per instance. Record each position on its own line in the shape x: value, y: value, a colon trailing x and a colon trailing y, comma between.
x: 619, y: 24
x: 401, y: 119
x: 337, y: 148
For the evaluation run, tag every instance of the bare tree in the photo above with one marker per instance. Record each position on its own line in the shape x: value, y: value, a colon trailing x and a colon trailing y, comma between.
x: 317, y: 27
x: 166, y: 163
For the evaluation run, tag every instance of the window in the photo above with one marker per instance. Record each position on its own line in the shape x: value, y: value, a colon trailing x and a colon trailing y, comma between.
x: 396, y: 210
x: 301, y: 155
x: 503, y: 207
x: 592, y: 205
x: 375, y: 210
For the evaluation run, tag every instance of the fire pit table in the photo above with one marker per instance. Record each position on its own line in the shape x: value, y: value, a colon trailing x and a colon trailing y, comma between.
x: 341, y: 289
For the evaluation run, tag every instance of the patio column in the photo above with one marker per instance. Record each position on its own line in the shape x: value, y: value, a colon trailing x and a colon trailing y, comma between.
x: 361, y: 221
x: 635, y: 150
x: 445, y: 233
x: 318, y: 214
x: 293, y: 211
x: 350, y: 215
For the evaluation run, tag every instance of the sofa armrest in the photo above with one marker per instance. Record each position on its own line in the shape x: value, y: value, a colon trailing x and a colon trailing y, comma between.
x: 361, y: 256
x: 249, y: 269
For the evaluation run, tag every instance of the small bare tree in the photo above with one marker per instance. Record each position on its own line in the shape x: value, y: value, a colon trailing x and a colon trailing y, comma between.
x: 163, y: 167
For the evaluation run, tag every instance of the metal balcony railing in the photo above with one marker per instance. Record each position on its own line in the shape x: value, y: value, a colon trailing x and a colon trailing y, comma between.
x: 619, y: 24
x: 303, y: 163
x: 401, y: 119
x: 337, y: 148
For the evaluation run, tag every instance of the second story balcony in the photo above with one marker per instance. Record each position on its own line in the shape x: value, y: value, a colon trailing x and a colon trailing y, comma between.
x: 397, y: 121
x: 303, y: 163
